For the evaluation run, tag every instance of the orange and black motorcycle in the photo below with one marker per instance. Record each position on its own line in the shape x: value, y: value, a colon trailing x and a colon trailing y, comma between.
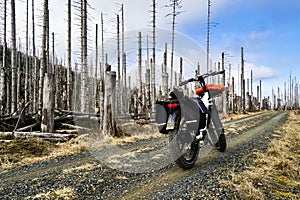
x: 188, y: 121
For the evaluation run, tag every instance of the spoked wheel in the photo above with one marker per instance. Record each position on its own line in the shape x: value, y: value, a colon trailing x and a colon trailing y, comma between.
x: 221, y: 144
x: 183, y: 147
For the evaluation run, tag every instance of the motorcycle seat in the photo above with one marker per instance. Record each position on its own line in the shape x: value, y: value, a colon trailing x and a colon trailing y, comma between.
x: 213, y: 89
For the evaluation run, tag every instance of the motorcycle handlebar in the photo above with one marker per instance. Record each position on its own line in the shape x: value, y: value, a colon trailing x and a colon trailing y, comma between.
x: 187, y: 81
x: 203, y: 76
x: 211, y: 74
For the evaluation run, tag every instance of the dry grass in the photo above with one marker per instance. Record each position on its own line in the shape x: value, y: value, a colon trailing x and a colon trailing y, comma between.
x: 27, y: 151
x: 85, y: 167
x: 24, y: 152
x: 135, y: 131
x: 233, y: 116
x: 277, y: 172
x: 65, y: 193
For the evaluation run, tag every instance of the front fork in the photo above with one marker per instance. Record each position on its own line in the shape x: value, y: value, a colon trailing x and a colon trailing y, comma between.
x: 216, y: 128
x: 214, y: 125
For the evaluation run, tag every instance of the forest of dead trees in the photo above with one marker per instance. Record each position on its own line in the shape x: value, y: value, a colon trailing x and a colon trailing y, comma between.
x: 40, y: 93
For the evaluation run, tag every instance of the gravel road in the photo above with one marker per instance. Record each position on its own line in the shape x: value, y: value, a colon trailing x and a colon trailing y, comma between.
x: 88, y: 178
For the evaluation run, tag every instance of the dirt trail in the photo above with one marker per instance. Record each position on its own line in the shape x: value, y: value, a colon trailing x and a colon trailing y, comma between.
x: 101, y: 182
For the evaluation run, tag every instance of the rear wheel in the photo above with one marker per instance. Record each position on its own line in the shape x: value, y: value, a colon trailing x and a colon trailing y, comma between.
x: 183, y: 147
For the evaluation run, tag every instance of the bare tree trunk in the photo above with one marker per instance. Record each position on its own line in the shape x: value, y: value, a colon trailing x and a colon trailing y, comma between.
x: 35, y: 67
x: 47, y: 124
x: 96, y: 73
x: 84, y: 93
x: 69, y: 75
x: 153, y: 98
x: 242, y: 80
x: 140, y: 71
x: 102, y: 44
x: 109, y: 106
x: 76, y: 90
x: 101, y: 102
x: 173, y: 37
x: 44, y: 64
x: 19, y: 75
x: 224, y: 95
x: 26, y: 56
x: 180, y: 70
x: 57, y: 78
x: 260, y: 95
x: 14, y: 102
x: 148, y: 94
x: 119, y: 89
x: 49, y: 66
x: 47, y: 76
x: 153, y: 55
x: 3, y: 93
x: 125, y: 91
x: 233, y: 96
x: 165, y: 75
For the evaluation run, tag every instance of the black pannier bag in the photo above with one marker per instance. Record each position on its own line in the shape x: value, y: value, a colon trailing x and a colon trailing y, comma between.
x: 161, y: 116
x: 195, y: 113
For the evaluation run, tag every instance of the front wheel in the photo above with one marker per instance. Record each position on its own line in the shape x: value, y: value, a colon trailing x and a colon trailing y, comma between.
x: 184, y: 149
x: 221, y: 144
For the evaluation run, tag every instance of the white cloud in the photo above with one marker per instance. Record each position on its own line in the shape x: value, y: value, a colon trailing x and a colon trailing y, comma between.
x: 261, y: 72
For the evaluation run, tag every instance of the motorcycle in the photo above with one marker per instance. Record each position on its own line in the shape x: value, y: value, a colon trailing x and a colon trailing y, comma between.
x: 188, y: 121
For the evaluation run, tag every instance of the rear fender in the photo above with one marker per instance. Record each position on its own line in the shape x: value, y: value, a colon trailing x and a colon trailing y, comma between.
x: 165, y: 109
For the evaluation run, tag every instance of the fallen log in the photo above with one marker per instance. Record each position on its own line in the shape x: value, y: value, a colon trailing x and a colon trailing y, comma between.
x: 55, y: 140
x: 26, y: 127
x: 76, y: 127
x: 42, y: 135
x: 24, y: 135
x: 74, y: 131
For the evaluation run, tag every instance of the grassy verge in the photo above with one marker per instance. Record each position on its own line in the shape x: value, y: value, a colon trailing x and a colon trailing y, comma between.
x: 275, y: 174
x: 27, y: 151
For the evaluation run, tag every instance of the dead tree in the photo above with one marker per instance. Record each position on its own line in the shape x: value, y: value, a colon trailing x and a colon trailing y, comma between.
x: 96, y: 71
x: 260, y: 94
x: 125, y: 92
x: 180, y: 70
x: 102, y: 44
x: 109, y: 126
x: 3, y: 94
x: 243, y: 81
x: 175, y: 4
x: 47, y: 123
x: 148, y: 94
x: 119, y: 89
x: 139, y: 84
x: 152, y: 63
x: 84, y: 92
x: 44, y: 63
x: 14, y: 102
x: 69, y: 72
x: 124, y: 89
x: 26, y: 56
x: 35, y: 64
x: 48, y: 86
x: 224, y: 95
x: 165, y: 76
x: 153, y: 92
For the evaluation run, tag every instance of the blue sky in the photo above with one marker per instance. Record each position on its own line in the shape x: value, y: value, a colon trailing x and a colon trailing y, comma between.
x: 267, y: 29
